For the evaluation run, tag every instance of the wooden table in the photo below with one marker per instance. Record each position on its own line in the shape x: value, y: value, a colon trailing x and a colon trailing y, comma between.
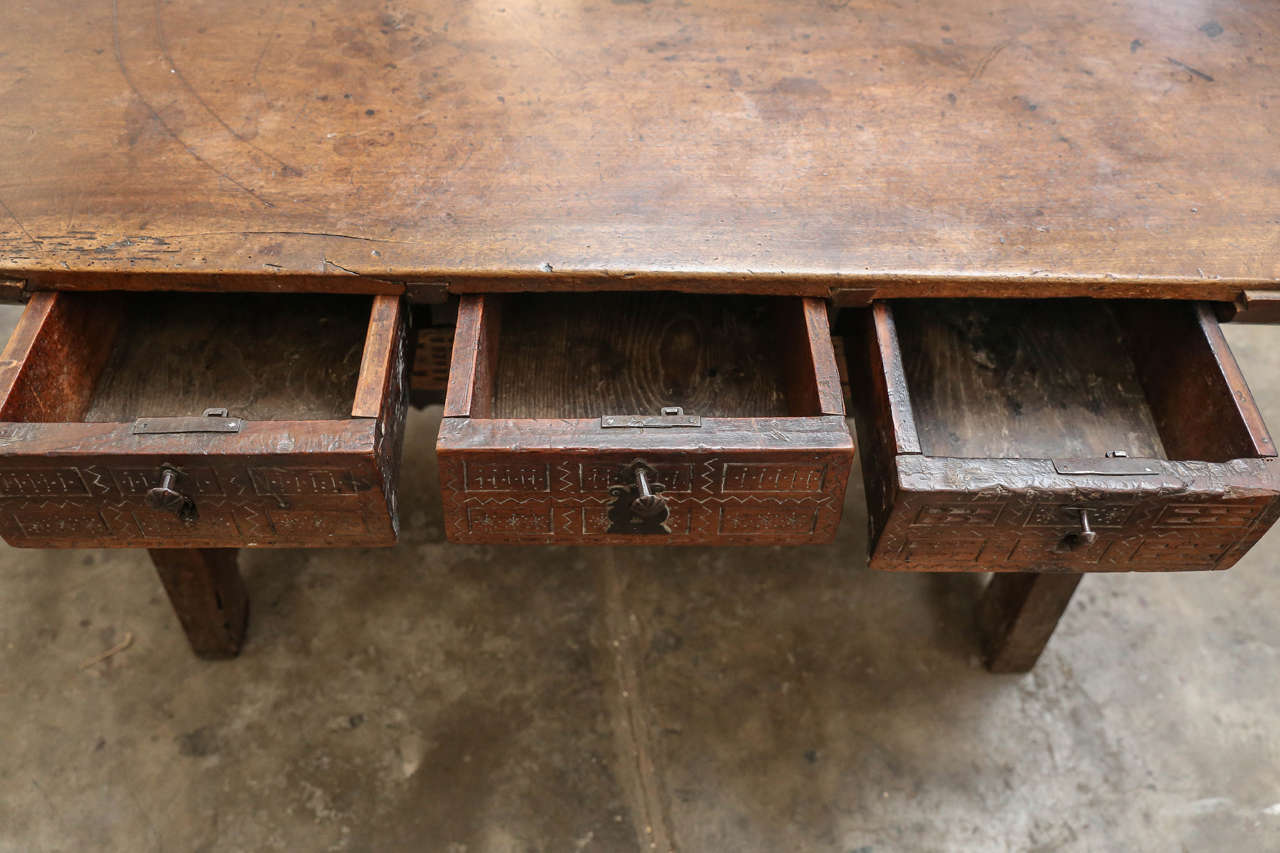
x: 854, y: 153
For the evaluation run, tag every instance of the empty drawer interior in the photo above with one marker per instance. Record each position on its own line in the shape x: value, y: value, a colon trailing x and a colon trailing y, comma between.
x: 1073, y: 378
x: 114, y: 357
x: 588, y: 355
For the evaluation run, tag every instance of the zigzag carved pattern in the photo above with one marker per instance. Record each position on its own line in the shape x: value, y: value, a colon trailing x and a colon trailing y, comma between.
x: 559, y: 514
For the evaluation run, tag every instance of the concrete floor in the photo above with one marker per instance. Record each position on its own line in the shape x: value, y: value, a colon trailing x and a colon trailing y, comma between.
x: 441, y: 698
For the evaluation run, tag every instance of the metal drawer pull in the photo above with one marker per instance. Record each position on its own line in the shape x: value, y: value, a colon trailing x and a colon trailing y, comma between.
x: 167, y: 497
x: 639, y: 507
x: 1082, y: 538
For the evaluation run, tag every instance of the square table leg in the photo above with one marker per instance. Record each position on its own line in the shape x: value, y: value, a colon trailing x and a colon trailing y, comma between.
x: 207, y: 593
x: 1017, y: 614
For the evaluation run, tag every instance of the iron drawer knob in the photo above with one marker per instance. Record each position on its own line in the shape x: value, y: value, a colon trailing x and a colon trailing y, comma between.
x: 647, y: 503
x: 167, y: 497
x: 639, y: 508
x: 1082, y: 538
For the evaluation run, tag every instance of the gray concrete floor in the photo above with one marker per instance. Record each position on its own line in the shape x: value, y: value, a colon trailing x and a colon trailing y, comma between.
x: 441, y: 698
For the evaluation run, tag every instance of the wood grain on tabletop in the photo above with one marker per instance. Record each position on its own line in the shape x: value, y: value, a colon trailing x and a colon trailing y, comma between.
x: 1052, y: 147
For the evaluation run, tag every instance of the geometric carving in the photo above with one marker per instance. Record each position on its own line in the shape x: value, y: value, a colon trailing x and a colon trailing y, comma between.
x: 313, y: 522
x: 596, y: 478
x: 42, y: 482
x: 517, y: 519
x: 958, y: 550
x: 1068, y: 514
x: 1206, y: 515
x: 968, y: 514
x: 565, y: 499
x: 737, y: 520
x: 431, y: 358
x: 1024, y: 532
x: 1177, y: 548
x: 329, y: 482
x: 105, y: 505
x: 213, y: 521
x: 773, y: 477
x: 61, y: 524
x: 137, y: 481
x: 305, y: 481
x: 505, y: 477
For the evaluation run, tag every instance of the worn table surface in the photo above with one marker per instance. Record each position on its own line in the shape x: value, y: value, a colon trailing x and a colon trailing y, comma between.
x: 1049, y: 147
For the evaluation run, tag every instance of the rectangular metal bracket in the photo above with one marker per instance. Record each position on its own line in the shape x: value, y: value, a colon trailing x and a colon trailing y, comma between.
x: 213, y: 420
x: 671, y: 417
x: 1115, y: 465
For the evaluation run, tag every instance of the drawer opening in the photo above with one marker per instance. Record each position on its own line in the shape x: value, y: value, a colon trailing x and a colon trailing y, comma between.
x: 116, y: 357
x: 583, y: 356
x: 986, y: 428
x: 103, y: 442
x: 1028, y: 379
x: 553, y: 429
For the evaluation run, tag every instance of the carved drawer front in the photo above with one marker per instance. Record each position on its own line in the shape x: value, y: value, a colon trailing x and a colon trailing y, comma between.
x: 751, y: 449
x: 194, y: 420
x: 1057, y: 436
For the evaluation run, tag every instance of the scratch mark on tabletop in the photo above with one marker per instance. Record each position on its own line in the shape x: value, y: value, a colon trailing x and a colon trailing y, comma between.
x: 133, y: 87
x: 272, y: 34
x: 1195, y: 71
x: 287, y: 234
x: 288, y: 170
x: 330, y: 263
x: 18, y: 221
x: 981, y: 67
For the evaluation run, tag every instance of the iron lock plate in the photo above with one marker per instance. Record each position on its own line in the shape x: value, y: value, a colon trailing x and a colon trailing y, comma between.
x: 1116, y: 466
x: 213, y: 420
x: 671, y: 417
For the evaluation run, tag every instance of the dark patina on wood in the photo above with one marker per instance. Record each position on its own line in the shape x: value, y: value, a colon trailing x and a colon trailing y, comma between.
x: 525, y: 457
x: 1057, y: 436
x: 1017, y: 615
x: 1047, y: 148
x: 208, y: 595
x: 313, y: 463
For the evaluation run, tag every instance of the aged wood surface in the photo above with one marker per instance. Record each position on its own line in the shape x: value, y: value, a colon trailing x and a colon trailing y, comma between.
x: 587, y: 355
x: 1053, y: 147
x: 383, y: 356
x: 260, y: 356
x: 1017, y: 615
x: 1026, y: 510
x: 275, y: 484
x: 208, y: 596
x: 733, y: 481
x: 1022, y: 379
x: 1000, y: 515
x: 68, y: 482
x: 530, y: 468
x: 474, y: 358
x: 1198, y: 395
x: 1252, y: 306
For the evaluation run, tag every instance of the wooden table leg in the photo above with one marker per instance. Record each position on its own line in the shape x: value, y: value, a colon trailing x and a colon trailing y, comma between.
x: 207, y: 593
x: 1017, y: 615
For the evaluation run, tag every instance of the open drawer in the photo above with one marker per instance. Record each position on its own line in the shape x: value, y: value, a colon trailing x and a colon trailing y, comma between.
x: 201, y: 420
x: 643, y: 418
x: 1063, y: 435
